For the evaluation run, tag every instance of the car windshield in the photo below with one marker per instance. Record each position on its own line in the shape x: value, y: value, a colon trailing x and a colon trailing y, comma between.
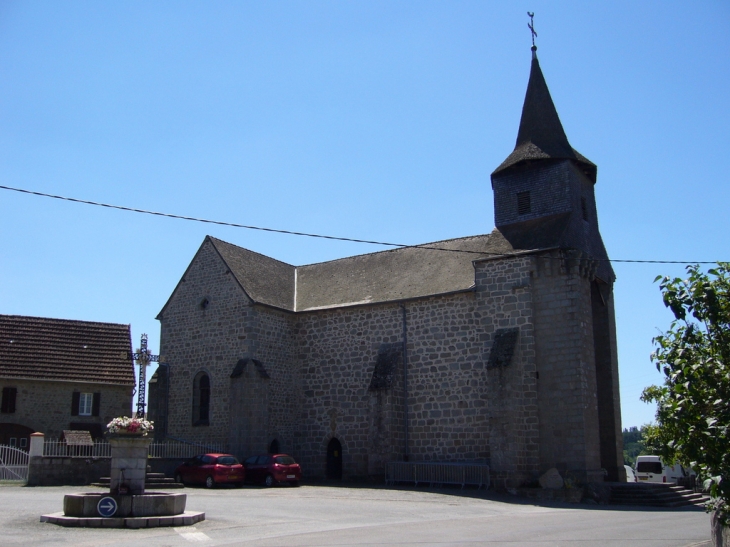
x: 285, y: 460
x: 227, y: 460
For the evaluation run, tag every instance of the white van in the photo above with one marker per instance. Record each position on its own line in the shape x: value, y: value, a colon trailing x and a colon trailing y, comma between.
x: 651, y: 469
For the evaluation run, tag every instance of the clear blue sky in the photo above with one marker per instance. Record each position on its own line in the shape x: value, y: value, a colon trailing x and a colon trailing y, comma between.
x: 373, y: 120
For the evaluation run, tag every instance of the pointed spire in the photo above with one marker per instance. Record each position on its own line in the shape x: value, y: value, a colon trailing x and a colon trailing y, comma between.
x: 541, y: 135
x: 540, y: 123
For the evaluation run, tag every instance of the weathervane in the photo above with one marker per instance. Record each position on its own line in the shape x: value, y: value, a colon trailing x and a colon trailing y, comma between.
x: 143, y: 357
x: 531, y: 26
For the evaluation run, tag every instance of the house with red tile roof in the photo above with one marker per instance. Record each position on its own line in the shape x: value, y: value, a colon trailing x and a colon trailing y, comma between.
x: 59, y: 374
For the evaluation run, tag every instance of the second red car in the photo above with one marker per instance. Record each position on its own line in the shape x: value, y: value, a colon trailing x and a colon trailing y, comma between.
x: 270, y: 469
x: 211, y: 469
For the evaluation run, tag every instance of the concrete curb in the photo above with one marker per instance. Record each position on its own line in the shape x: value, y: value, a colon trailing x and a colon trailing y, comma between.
x: 187, y: 518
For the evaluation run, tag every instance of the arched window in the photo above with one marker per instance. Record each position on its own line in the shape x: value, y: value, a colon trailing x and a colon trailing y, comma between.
x: 201, y: 399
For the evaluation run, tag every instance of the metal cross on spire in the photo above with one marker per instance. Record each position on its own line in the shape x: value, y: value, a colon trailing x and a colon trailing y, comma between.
x: 531, y: 26
x: 143, y: 357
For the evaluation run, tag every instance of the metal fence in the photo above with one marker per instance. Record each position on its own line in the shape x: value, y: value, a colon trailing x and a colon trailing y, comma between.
x: 182, y: 449
x: 59, y: 448
x: 102, y: 449
x: 476, y: 474
x: 13, y: 463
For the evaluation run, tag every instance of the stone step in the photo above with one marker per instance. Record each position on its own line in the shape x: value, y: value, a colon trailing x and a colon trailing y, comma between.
x: 148, y: 486
x: 155, y: 476
x: 655, y: 495
x: 153, y: 480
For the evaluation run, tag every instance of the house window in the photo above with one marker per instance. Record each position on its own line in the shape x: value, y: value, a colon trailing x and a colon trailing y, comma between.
x: 8, y: 402
x: 85, y: 404
x: 523, y: 203
x: 584, y: 208
x: 201, y: 399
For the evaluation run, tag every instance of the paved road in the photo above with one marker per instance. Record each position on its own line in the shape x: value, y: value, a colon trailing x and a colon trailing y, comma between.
x: 313, y: 516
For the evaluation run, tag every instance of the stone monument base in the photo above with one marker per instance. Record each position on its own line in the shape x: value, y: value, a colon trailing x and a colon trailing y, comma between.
x: 149, y: 504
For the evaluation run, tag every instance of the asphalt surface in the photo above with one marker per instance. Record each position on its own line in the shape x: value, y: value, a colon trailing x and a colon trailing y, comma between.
x: 314, y: 516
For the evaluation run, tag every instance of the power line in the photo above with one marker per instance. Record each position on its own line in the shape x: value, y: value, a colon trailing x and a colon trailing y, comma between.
x: 426, y: 246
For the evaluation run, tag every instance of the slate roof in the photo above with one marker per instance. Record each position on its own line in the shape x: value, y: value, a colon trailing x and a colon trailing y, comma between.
x: 265, y: 279
x: 67, y: 350
x: 398, y: 274
x: 541, y: 135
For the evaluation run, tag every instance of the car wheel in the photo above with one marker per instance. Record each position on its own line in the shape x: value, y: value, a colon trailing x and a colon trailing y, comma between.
x: 209, y: 482
x: 178, y: 478
x: 269, y: 481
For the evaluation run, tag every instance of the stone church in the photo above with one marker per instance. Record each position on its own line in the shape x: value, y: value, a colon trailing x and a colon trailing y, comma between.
x: 497, y: 348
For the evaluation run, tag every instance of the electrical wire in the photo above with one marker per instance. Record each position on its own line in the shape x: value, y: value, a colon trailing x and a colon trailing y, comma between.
x: 426, y: 246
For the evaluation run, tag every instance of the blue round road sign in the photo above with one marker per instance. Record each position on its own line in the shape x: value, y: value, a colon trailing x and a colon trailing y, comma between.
x: 107, y: 506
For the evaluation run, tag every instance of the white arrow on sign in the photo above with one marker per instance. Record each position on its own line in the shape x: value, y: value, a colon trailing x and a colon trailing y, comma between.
x: 107, y: 507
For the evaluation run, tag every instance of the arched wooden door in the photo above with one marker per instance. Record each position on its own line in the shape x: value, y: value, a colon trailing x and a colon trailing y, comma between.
x: 334, y: 460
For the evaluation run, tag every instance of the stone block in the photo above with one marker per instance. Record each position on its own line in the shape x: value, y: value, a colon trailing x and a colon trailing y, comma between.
x: 551, y: 479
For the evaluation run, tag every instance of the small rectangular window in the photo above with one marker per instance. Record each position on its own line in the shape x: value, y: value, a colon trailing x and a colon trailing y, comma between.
x: 584, y: 208
x: 24, y: 442
x: 86, y: 400
x: 523, y: 203
x: 8, y: 402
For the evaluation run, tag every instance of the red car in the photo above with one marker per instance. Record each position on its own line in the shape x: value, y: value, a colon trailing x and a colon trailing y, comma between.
x: 211, y: 469
x: 272, y: 468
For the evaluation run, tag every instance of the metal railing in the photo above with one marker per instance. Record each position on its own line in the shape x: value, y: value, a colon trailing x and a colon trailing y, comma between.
x: 435, y: 473
x: 102, y: 449
x: 13, y: 463
x: 59, y: 448
x: 181, y: 449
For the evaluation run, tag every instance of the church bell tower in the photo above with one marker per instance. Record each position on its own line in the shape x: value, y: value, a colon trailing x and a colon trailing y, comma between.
x: 543, y: 191
x: 544, y: 200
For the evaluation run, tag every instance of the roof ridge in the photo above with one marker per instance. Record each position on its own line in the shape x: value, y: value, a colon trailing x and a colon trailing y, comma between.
x: 215, y: 241
x: 30, y: 318
x: 403, y: 248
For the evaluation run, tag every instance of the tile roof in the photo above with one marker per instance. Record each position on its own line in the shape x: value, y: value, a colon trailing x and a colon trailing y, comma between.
x: 67, y: 350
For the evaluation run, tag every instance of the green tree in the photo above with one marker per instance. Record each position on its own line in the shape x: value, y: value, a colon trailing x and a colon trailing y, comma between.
x: 692, y: 414
x: 633, y: 444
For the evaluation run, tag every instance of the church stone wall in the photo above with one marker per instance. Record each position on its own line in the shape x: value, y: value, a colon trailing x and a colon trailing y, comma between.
x: 198, y: 336
x: 505, y: 294
x: 274, y: 345
x: 566, y: 367
x: 459, y: 410
x: 338, y: 350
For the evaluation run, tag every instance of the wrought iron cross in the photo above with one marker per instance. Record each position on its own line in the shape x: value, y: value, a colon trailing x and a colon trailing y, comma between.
x: 531, y: 26
x: 143, y: 358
